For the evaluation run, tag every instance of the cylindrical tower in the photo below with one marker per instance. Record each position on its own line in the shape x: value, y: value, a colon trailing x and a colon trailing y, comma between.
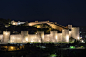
x: 65, y: 35
x: 54, y: 36
x: 6, y: 36
x: 24, y: 35
x: 75, y: 32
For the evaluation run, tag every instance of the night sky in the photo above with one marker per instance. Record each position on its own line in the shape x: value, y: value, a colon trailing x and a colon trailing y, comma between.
x: 63, y: 12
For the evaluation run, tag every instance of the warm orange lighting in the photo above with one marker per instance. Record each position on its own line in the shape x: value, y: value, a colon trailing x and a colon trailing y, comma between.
x: 48, y: 35
x: 78, y: 38
x: 30, y: 24
x: 14, y: 23
x: 67, y: 38
x: 31, y: 41
x: 56, y: 37
x: 47, y: 21
x: 39, y: 41
x: 12, y: 47
x: 26, y: 39
x: 38, y: 27
x: 6, y: 33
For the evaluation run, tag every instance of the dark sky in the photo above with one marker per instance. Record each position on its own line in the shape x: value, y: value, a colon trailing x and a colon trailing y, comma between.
x: 63, y: 12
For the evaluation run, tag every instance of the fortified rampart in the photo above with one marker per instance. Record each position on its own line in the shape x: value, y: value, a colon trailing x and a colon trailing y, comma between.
x: 54, y: 36
x: 24, y: 37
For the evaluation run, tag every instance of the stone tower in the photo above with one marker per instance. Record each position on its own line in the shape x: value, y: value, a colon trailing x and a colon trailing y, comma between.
x: 6, y: 36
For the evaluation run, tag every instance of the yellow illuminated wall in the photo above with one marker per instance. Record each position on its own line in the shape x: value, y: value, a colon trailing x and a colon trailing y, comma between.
x: 54, y: 36
x: 75, y: 32
x: 16, y: 38
x: 6, y: 36
x: 65, y: 35
x: 24, y: 37
x: 59, y: 39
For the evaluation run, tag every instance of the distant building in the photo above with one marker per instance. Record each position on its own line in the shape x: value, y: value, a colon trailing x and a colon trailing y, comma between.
x: 16, y: 23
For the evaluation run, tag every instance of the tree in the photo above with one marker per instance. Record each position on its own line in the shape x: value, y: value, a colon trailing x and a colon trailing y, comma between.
x: 71, y: 39
x: 9, y: 21
x: 76, y: 41
x: 26, y: 23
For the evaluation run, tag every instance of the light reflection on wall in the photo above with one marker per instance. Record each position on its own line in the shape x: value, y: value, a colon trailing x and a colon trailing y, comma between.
x: 26, y: 38
x: 75, y: 32
x: 15, y: 38
x: 67, y: 38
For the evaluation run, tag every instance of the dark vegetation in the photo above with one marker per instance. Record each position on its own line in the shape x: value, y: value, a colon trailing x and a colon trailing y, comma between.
x: 5, y: 21
x: 36, y: 50
x: 23, y: 27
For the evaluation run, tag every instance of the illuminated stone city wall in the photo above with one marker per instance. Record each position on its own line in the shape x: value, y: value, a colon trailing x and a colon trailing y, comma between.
x: 6, y: 36
x: 70, y: 34
x: 36, y: 22
x: 65, y: 35
x: 70, y: 26
x: 24, y: 37
x: 54, y: 36
x: 34, y: 38
x: 75, y: 32
x: 47, y: 22
x: 59, y: 39
x: 16, y: 38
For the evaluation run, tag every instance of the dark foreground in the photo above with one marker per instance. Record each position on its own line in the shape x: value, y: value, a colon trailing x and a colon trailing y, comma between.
x: 41, y: 50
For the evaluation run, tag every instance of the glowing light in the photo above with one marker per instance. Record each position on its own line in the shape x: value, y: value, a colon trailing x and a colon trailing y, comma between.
x: 53, y: 55
x: 11, y: 47
x: 78, y: 38
x: 6, y: 33
x: 38, y: 27
x: 26, y: 39
x: 39, y: 41
x: 31, y: 41
x: 19, y: 23
x: 14, y: 23
x: 82, y: 41
x: 67, y: 38
x: 72, y: 47
x: 56, y: 37
x: 13, y: 38
x: 82, y: 46
x: 30, y: 24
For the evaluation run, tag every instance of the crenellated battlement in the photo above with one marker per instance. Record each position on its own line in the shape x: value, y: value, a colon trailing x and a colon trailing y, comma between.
x: 40, y: 37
